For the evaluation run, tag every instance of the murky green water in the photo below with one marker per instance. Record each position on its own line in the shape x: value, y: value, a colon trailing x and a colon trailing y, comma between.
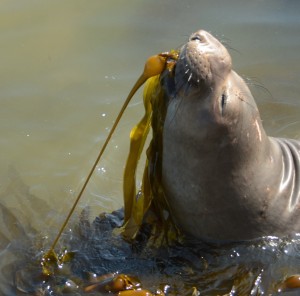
x: 67, y: 66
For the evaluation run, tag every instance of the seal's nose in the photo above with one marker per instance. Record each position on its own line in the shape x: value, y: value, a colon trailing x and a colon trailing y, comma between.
x: 199, y: 36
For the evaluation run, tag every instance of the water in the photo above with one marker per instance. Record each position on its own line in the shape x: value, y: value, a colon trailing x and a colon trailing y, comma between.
x: 67, y: 66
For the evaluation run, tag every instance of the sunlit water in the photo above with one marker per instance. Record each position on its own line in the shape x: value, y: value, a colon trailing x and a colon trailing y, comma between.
x: 66, y: 68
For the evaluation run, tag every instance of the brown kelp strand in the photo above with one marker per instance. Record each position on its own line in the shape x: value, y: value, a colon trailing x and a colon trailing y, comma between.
x: 138, y: 203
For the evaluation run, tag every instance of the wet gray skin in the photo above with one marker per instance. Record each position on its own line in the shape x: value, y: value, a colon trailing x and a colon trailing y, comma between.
x: 223, y: 177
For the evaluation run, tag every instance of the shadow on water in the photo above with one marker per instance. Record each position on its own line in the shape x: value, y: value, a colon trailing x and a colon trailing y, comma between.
x: 253, y: 268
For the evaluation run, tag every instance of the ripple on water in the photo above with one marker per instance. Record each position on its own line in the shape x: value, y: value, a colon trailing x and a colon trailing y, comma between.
x: 254, y: 268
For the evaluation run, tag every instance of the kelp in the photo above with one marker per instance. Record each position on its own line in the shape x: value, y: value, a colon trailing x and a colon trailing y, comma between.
x: 151, y: 195
x: 136, y: 206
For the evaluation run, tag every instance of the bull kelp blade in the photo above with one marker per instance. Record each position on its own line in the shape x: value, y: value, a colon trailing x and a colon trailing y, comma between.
x: 135, y: 205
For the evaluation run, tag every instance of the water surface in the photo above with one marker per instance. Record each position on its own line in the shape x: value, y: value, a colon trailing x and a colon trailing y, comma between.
x: 67, y: 66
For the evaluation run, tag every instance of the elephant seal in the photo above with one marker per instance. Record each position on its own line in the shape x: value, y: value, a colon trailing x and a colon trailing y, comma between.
x: 223, y: 177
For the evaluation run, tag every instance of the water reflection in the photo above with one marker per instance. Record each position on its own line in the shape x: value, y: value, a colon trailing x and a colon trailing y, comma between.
x: 65, y: 64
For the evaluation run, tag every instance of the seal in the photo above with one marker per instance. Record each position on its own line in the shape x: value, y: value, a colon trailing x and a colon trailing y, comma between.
x: 223, y: 177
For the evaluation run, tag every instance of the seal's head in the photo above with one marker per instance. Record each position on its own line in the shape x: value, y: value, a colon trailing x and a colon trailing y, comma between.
x: 203, y: 61
x: 216, y: 101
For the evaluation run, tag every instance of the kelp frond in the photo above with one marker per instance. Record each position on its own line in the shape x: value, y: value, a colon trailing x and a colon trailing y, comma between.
x: 137, y: 203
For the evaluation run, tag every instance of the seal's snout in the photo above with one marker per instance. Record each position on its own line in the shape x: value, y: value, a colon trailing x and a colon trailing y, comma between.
x: 203, y: 60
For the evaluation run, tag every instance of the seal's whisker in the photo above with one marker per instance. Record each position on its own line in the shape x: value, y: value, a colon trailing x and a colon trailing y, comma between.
x: 263, y: 88
x: 226, y: 42
x: 230, y: 48
x: 179, y: 46
x: 254, y: 81
x: 244, y: 101
x: 187, y: 88
x: 176, y: 110
x: 250, y: 80
x: 183, y: 87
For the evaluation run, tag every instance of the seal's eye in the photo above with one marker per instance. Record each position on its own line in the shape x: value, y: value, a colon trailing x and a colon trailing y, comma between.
x: 223, y: 102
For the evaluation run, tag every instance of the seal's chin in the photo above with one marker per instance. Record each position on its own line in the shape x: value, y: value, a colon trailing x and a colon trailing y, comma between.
x: 203, y: 62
